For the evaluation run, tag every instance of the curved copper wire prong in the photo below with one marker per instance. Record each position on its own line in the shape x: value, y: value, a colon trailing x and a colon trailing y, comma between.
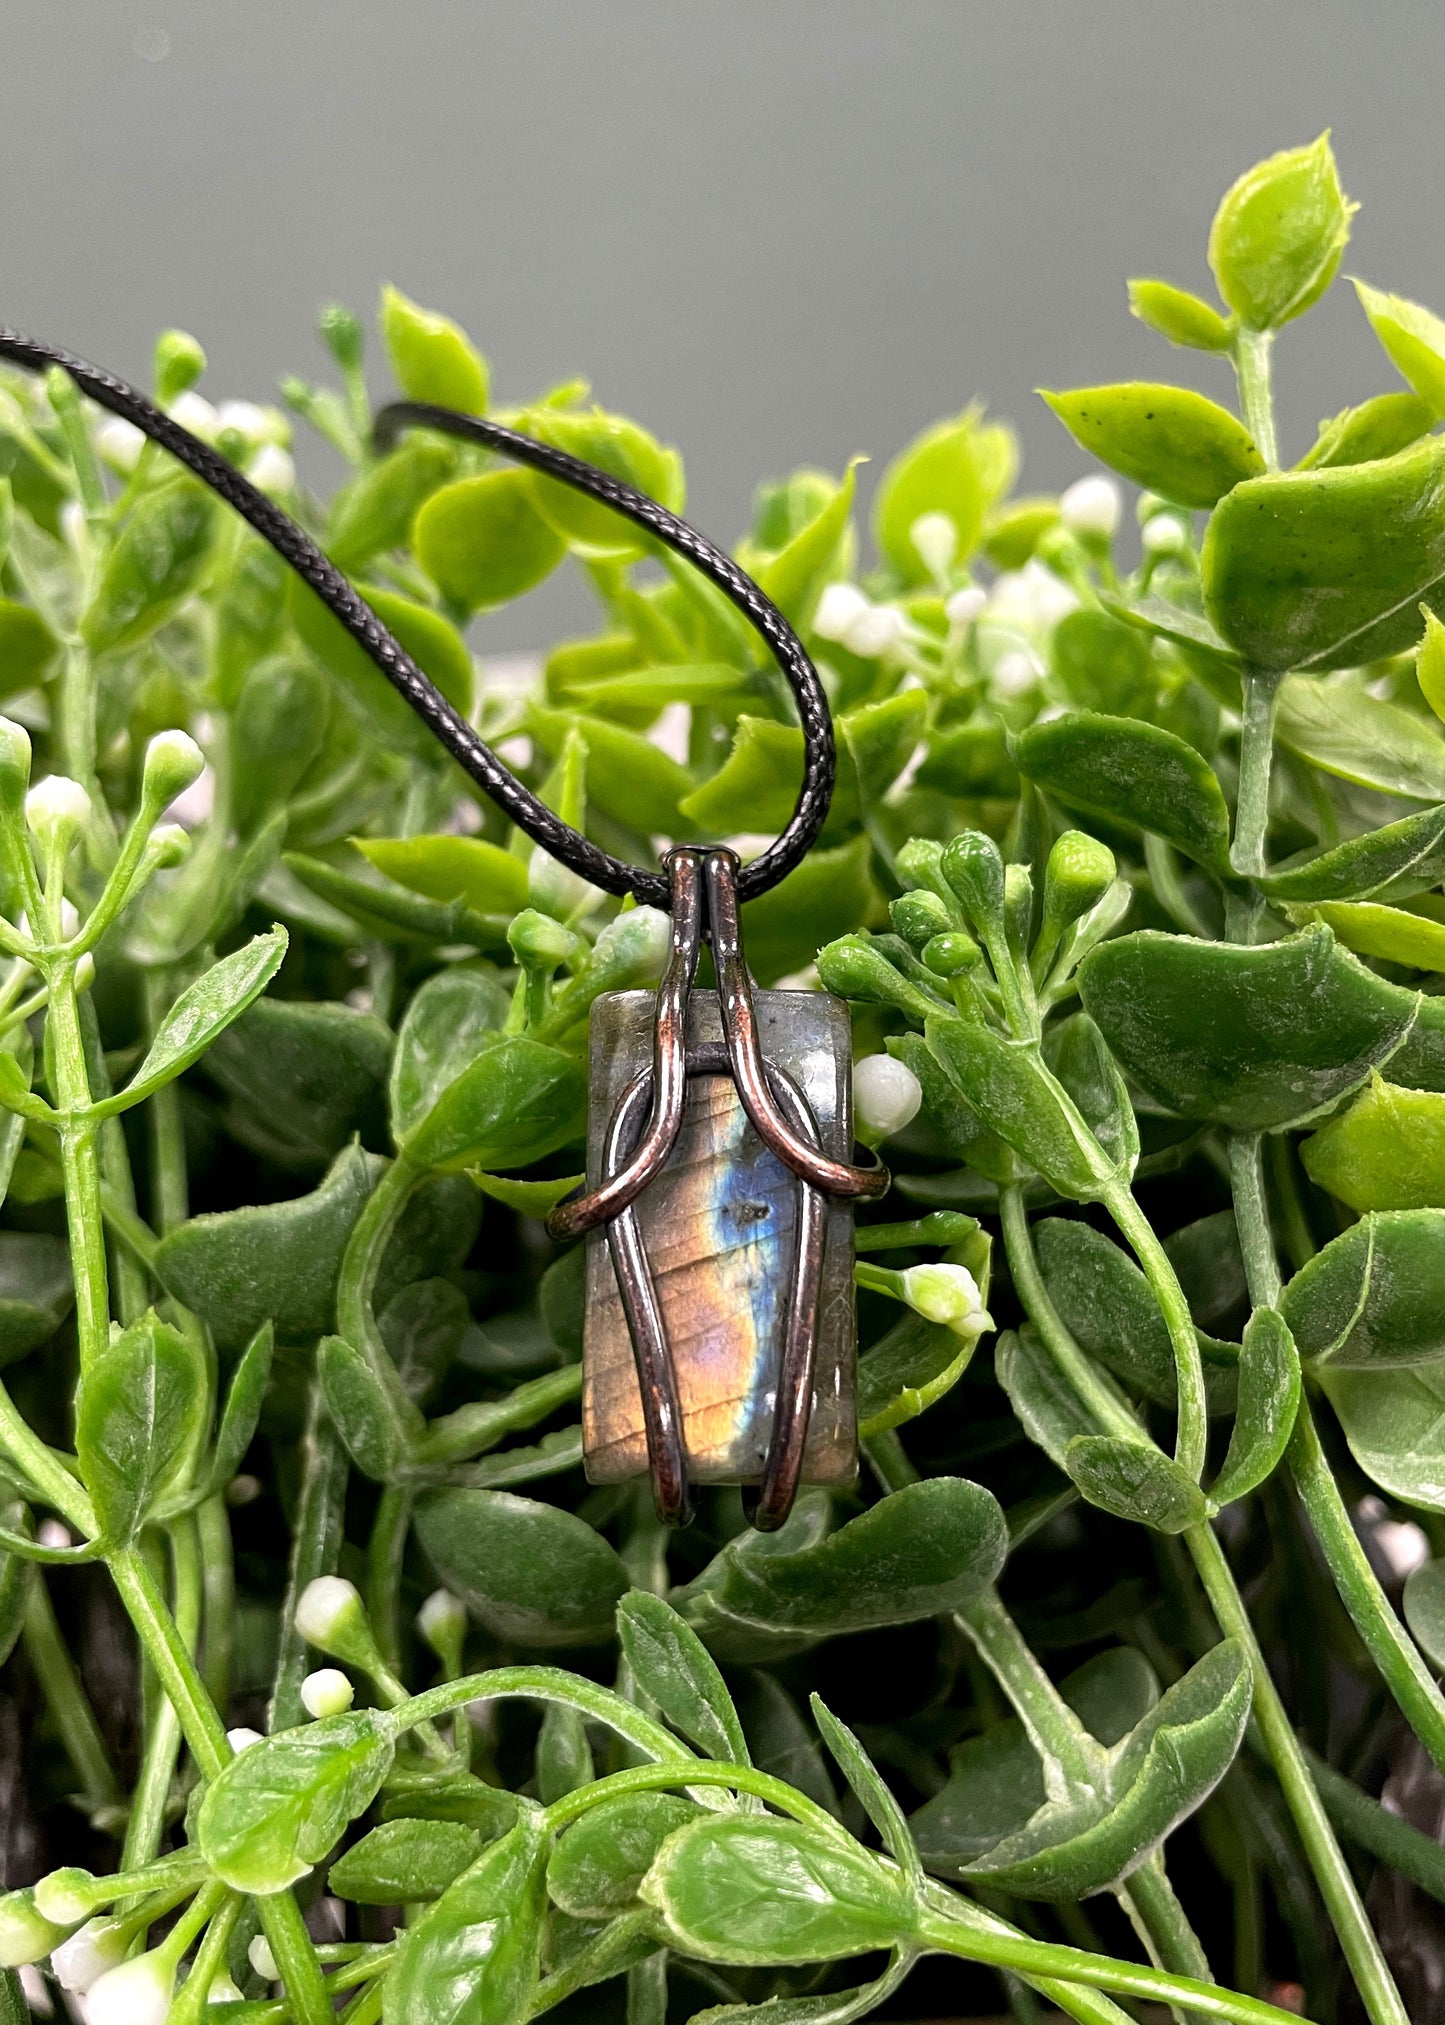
x: 735, y: 996
x: 656, y: 1378
x: 581, y: 1213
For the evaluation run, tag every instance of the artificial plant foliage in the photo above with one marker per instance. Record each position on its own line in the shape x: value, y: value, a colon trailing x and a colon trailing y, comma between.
x: 339, y: 1691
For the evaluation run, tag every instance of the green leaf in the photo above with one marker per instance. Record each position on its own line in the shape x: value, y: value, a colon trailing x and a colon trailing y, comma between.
x: 597, y: 1867
x: 140, y: 1418
x: 916, y: 1363
x: 756, y: 1891
x: 756, y: 786
x: 829, y: 893
x: 432, y: 357
x: 1172, y: 440
x: 1394, y: 1422
x: 971, y: 759
x: 1253, y: 1038
x: 249, y: 608
x: 614, y: 445
x: 1387, y: 1151
x: 1377, y: 428
x: 1343, y: 730
x: 202, y: 1012
x: 794, y: 576
x: 27, y: 647
x: 1373, y: 1296
x: 404, y: 1862
x: 1424, y: 1606
x: 241, y: 1413
x: 1075, y: 1053
x: 277, y: 1262
x: 303, y: 1078
x: 1394, y: 862
x: 455, y: 1015
x: 36, y: 1291
x: 870, y: 1789
x: 1012, y: 532
x: 1278, y: 235
x: 1164, y: 1769
x: 277, y: 729
x: 1007, y: 1084
x: 1179, y: 316
x: 670, y: 1663
x: 1110, y: 1309
x: 1327, y: 569
x: 376, y: 510
x: 533, y: 1574
x: 1390, y: 933
x: 153, y: 565
x: 1269, y: 1396
x: 1413, y: 339
x: 1135, y: 1481
x: 1103, y: 663
x: 629, y: 778
x: 369, y: 1415
x: 483, y: 542
x: 281, y: 1805
x: 519, y: 1100
x: 932, y: 1546
x: 382, y: 910
x: 1049, y: 1410
x: 432, y: 642
x: 480, y: 875
x: 958, y: 468
x: 1116, y: 766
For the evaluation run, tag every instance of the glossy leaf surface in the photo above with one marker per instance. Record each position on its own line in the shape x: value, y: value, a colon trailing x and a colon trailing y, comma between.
x: 281, y: 1806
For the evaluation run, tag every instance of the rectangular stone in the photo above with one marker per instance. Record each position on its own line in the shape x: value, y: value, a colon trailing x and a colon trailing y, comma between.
x: 719, y: 1226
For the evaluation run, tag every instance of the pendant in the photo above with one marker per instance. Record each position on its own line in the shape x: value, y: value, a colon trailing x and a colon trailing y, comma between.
x: 719, y: 1342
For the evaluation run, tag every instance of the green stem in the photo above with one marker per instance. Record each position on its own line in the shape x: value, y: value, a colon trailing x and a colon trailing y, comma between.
x: 1168, y: 887
x: 1192, y: 1438
x: 1080, y: 1371
x: 316, y: 1537
x: 1390, y: 1645
x: 1332, y: 1874
x: 1415, y: 1856
x: 1057, y: 1735
x: 158, y: 1763
x: 551, y: 1684
x: 365, y: 1251
x: 1256, y: 754
x: 170, y: 1194
x: 65, y: 1697
x: 175, y: 1668
x: 218, y: 1581
x: 80, y: 1166
x: 76, y: 719
x: 191, y: 2004
x: 1153, y: 1906
x: 44, y: 1469
x: 385, y: 1554
x: 1252, y: 350
x: 1251, y: 1220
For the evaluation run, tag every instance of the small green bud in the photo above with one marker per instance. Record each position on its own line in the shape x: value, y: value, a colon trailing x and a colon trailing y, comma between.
x: 14, y: 764
x: 946, y: 1294
x: 1018, y: 900
x: 331, y: 1615
x: 343, y: 336
x: 540, y: 942
x: 173, y: 761
x: 634, y: 945
x: 61, y: 392
x: 919, y: 916
x: 853, y: 968
x: 179, y: 363
x: 25, y: 1934
x: 952, y: 954
x: 1079, y: 873
x: 973, y: 867
x: 66, y: 1896
x: 170, y: 844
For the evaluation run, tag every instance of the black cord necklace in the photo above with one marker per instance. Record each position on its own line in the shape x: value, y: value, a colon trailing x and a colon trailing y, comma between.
x: 760, y: 1389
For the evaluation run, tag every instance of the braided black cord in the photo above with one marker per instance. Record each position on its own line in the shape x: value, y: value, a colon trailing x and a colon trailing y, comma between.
x: 445, y: 723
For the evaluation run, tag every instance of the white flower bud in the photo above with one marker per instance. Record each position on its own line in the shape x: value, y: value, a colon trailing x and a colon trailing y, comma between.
x: 1403, y: 1545
x: 255, y: 423
x: 66, y: 1896
x: 74, y: 527
x: 241, y: 1738
x: 99, y: 1945
x: 1163, y: 535
x: 273, y: 471
x: 170, y: 843
x: 965, y: 605
x: 173, y: 762
x: 259, y: 1955
x: 120, y: 443
x: 25, y: 1935
x: 53, y: 1533
x: 838, y: 607
x: 637, y: 941
x: 136, y: 1993
x: 876, y: 631
x: 886, y: 1094
x: 223, y: 1991
x: 327, y: 1692
x: 935, y: 536
x: 14, y: 759
x: 1092, y: 506
x: 1032, y: 598
x: 1014, y: 673
x: 441, y: 1620
x: 85, y: 972
x: 947, y: 1294
x: 56, y: 807
x: 194, y: 412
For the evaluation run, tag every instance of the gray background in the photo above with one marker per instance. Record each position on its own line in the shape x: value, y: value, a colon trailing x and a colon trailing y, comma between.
x: 778, y: 231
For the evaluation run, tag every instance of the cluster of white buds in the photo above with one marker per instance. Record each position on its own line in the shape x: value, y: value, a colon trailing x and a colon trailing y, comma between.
x: 1031, y: 598
x: 850, y: 617
x: 947, y: 1294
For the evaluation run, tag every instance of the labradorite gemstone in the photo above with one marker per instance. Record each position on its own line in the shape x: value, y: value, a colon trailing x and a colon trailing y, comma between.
x: 720, y: 1228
